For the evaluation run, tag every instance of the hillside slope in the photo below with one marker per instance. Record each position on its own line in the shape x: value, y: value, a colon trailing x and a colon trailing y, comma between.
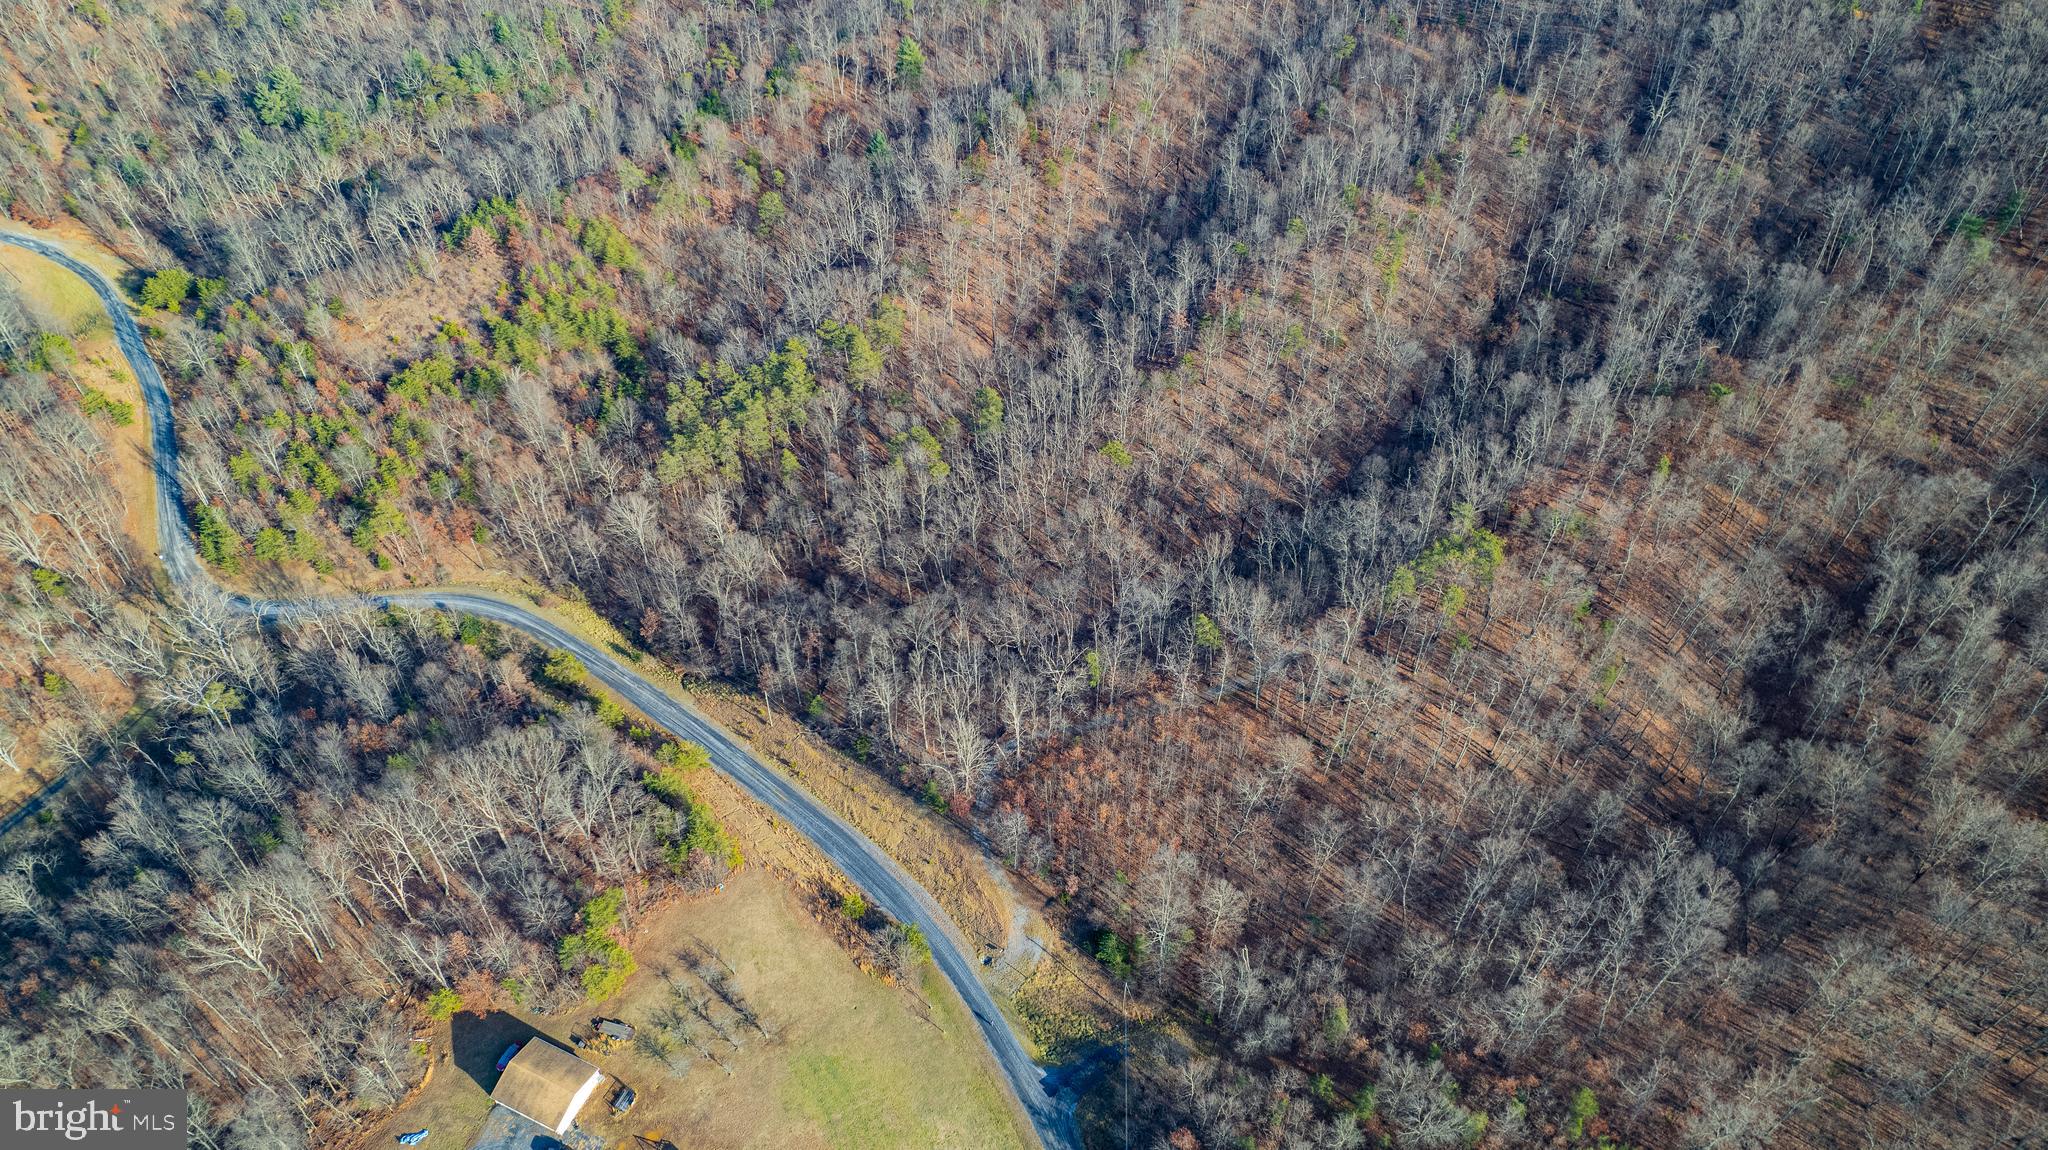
x: 1487, y: 560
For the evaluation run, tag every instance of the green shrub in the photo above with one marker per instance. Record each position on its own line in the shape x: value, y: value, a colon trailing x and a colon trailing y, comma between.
x: 912, y: 939
x: 935, y: 463
x: 303, y: 460
x: 246, y: 470
x: 384, y: 521
x: 442, y: 1004
x: 1338, y: 1022
x: 909, y: 62
x: 496, y: 214
x: 279, y: 99
x: 602, y: 980
x: 887, y: 328
x: 270, y: 545
x: 166, y: 289
x: 725, y: 414
x: 118, y: 412
x: 988, y: 412
x: 1454, y: 601
x: 1390, y: 259
x: 563, y: 671
x: 863, y: 362
x: 51, y: 351
x: 684, y: 756
x: 430, y: 376
x: 698, y: 830
x: 703, y: 834
x: 769, y: 212
x: 1112, y: 952
x: 218, y: 542
x: 486, y: 635
x: 609, y: 246
x: 573, y: 306
x: 595, y: 954
x: 1585, y: 1107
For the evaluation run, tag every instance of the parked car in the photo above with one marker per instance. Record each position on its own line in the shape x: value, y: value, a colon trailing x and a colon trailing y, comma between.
x: 505, y: 1059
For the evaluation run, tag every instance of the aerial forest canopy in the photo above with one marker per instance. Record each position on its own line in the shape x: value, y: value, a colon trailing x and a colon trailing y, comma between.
x: 1486, y: 560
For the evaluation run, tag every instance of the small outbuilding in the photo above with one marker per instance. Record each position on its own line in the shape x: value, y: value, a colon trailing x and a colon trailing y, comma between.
x: 547, y: 1084
x: 614, y: 1030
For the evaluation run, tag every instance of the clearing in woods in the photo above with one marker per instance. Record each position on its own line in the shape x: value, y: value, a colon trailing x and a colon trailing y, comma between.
x: 849, y: 1062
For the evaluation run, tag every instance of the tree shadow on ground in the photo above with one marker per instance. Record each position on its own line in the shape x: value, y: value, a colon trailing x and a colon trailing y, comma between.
x: 476, y: 1041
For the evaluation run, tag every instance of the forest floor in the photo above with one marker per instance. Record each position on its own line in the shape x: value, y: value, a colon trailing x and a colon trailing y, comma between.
x: 23, y: 91
x: 849, y: 1062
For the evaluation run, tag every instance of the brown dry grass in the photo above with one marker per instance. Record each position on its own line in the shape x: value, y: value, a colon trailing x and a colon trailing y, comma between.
x: 941, y: 858
x: 457, y: 286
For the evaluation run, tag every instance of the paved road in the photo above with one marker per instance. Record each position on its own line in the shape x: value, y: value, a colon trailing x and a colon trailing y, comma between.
x: 886, y: 883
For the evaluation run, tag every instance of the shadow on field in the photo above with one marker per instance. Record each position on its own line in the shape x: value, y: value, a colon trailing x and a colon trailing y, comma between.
x: 477, y: 1041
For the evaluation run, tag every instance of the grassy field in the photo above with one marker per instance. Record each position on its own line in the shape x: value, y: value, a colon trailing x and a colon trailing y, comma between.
x: 849, y: 1062
x: 853, y: 1063
x: 57, y: 300
x: 43, y: 278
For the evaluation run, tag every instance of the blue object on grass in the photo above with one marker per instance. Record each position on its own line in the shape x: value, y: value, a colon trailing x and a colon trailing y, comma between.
x: 412, y: 1139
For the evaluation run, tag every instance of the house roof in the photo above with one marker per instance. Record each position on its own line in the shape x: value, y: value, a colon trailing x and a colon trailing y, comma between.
x: 547, y: 1084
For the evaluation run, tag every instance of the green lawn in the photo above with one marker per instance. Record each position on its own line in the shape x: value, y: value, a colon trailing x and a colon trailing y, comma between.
x: 868, y: 1095
x: 849, y: 1062
x: 55, y: 299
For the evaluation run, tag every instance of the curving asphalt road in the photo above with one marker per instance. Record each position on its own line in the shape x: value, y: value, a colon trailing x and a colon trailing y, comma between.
x: 886, y: 883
